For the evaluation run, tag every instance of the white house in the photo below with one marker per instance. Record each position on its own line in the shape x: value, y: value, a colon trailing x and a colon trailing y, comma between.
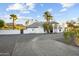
x: 36, y: 27
x: 63, y: 26
x: 55, y: 26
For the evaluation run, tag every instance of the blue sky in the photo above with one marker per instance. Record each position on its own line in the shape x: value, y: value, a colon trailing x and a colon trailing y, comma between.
x: 61, y: 11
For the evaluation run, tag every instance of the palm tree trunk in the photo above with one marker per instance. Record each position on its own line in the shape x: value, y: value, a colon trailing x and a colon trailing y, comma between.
x: 13, y: 24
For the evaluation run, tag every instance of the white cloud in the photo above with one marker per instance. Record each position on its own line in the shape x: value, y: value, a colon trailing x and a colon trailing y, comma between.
x: 28, y: 17
x: 28, y: 12
x: 38, y: 16
x: 23, y: 8
x: 50, y: 10
x: 20, y: 17
x: 15, y: 7
x: 65, y: 6
x: 20, y: 20
x: 5, y: 16
x: 23, y: 17
x: 74, y: 18
x: 30, y: 6
x: 64, y: 9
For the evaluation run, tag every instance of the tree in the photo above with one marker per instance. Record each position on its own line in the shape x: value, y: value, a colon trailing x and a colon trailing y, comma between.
x: 47, y: 25
x: 13, y: 17
x: 27, y: 22
x: 70, y: 25
x: 51, y: 28
x: 2, y: 23
x: 47, y: 16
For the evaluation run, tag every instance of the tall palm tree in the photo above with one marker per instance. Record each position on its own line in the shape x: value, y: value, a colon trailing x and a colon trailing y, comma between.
x: 27, y: 22
x: 14, y: 17
x: 47, y: 16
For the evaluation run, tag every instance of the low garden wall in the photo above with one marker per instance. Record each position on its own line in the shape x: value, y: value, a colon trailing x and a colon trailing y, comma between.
x: 9, y: 32
x: 5, y: 32
x: 28, y: 31
x: 32, y: 30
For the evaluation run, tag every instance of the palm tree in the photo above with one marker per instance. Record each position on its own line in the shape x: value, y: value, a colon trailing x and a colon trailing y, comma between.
x: 47, y: 16
x: 27, y: 22
x: 14, y: 17
x: 46, y: 27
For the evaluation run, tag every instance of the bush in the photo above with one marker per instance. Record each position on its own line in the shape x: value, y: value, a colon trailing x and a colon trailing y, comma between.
x: 1, y: 23
x: 71, y: 34
x: 76, y: 40
x: 69, y: 37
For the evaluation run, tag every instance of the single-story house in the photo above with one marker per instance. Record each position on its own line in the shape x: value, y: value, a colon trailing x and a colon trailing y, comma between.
x: 37, y: 27
x: 55, y: 26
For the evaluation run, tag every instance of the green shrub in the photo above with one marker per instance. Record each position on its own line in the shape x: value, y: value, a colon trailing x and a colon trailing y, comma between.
x: 1, y: 23
x: 68, y: 36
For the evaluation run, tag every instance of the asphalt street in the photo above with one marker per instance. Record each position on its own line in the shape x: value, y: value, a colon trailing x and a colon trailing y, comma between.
x: 8, y: 42
x: 36, y: 45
